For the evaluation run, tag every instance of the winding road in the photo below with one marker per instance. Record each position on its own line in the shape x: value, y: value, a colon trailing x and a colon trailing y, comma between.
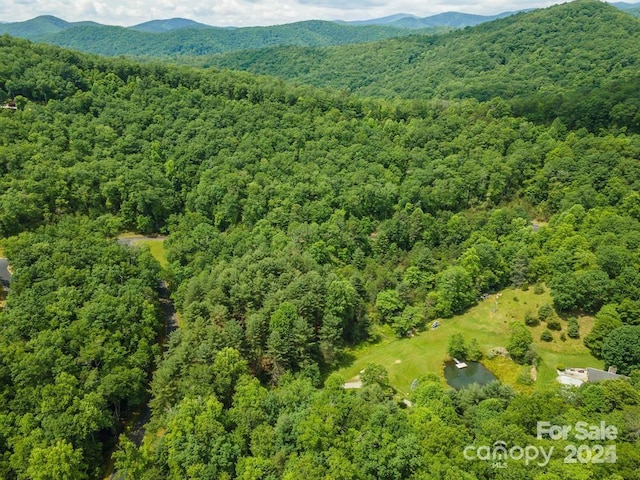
x: 142, y: 415
x: 170, y: 317
x: 169, y: 313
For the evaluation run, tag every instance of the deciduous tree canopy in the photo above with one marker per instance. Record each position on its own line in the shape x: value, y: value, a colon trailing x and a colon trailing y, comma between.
x: 297, y: 219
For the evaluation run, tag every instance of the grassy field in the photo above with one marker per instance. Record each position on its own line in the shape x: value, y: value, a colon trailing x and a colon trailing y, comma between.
x: 488, y: 322
x: 155, y: 245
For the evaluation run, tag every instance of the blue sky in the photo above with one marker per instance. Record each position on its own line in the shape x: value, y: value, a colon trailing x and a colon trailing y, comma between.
x: 245, y: 12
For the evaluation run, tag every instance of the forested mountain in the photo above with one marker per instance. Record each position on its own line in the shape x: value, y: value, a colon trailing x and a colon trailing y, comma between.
x: 150, y: 41
x: 626, y: 6
x: 632, y: 8
x: 43, y: 27
x: 380, y: 21
x: 179, y: 38
x: 160, y: 26
x: 446, y: 19
x: 299, y: 221
x: 576, y: 61
x: 40, y: 27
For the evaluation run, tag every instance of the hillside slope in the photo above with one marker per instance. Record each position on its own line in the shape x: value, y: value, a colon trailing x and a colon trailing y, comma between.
x: 299, y: 222
x: 40, y: 27
x: 170, y: 38
x: 583, y: 48
x: 449, y: 19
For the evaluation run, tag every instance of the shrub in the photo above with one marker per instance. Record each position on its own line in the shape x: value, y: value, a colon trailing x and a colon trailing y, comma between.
x: 546, y: 336
x: 524, y: 377
x: 474, y: 353
x: 531, y: 357
x: 520, y: 342
x: 538, y: 289
x: 374, y: 373
x: 411, y: 318
x: 545, y: 311
x: 573, y: 329
x: 531, y: 320
x: 457, y: 346
x: 554, y: 324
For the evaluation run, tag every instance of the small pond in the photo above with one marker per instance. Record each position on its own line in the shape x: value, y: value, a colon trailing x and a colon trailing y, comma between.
x: 459, y: 378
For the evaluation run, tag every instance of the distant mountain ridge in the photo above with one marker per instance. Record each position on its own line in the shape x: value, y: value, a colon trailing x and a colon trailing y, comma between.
x: 446, y: 19
x: 183, y: 37
x: 380, y: 21
x: 168, y: 25
x: 571, y: 51
x: 625, y: 5
x: 178, y: 37
x: 41, y: 26
x: 632, y: 8
x: 44, y: 25
x: 48, y: 24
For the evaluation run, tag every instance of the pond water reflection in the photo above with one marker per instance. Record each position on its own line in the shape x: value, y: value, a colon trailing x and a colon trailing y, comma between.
x: 475, y: 372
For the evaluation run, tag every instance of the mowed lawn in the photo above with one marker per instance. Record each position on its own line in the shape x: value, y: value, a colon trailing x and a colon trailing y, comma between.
x: 406, y: 359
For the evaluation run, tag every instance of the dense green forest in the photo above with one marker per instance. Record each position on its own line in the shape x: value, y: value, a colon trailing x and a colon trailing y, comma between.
x: 203, y: 40
x: 577, y: 62
x: 299, y: 221
x: 78, y: 340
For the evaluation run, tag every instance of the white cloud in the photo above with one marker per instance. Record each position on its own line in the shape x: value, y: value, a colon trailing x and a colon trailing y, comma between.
x: 344, y: 4
x: 245, y: 12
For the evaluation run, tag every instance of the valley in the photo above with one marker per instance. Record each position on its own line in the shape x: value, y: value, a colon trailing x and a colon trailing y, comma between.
x: 256, y: 265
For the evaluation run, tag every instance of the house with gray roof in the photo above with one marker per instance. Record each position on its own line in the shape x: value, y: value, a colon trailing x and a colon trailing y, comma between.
x: 596, y: 375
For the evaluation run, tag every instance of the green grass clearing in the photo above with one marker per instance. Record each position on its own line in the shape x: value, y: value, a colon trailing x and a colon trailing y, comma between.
x: 155, y: 245
x: 488, y: 322
x: 130, y: 235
